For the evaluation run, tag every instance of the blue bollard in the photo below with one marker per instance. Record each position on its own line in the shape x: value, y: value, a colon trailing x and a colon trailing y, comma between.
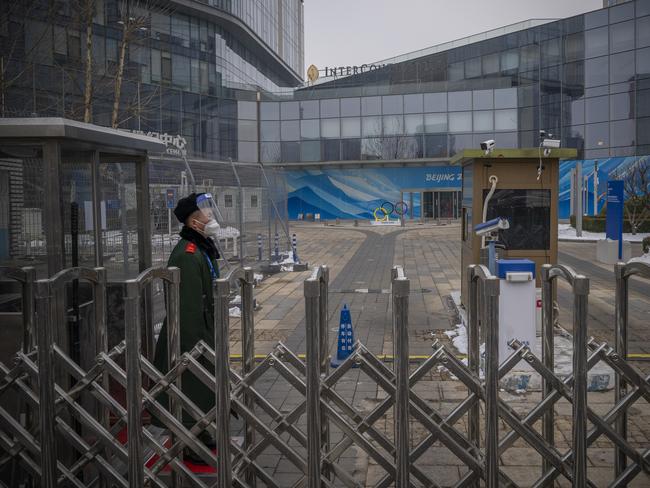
x: 294, y: 247
x: 345, y: 344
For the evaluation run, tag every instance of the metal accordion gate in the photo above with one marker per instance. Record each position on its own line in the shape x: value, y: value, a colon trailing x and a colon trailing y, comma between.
x: 81, y: 421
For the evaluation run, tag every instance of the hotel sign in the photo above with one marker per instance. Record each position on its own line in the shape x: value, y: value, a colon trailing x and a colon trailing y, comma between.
x: 313, y: 73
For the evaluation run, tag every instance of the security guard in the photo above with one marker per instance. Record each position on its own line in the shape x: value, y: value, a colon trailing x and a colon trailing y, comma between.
x: 196, y: 255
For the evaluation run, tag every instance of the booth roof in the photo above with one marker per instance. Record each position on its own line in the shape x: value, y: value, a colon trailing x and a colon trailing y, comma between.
x: 522, y: 153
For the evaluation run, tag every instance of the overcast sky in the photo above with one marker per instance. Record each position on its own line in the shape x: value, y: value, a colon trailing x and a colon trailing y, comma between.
x: 353, y: 32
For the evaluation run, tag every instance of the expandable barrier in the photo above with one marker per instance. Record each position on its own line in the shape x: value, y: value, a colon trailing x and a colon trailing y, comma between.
x: 81, y: 433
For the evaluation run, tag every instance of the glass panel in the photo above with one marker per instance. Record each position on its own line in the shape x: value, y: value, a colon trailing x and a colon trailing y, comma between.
x: 505, y: 119
x: 483, y: 99
x: 643, y: 32
x: 247, y: 110
x: 621, y: 12
x: 458, y: 142
x: 309, y: 109
x: 392, y: 104
x: 507, y: 140
x: 270, y: 131
x: 483, y: 121
x: 577, y: 111
x: 460, y: 121
x: 551, y: 52
x: 621, y: 133
x: 490, y: 64
x: 309, y: 129
x: 435, y: 102
x: 435, y: 146
x: 643, y: 61
x: 529, y: 58
x: 642, y: 8
x: 597, y: 135
x: 270, y: 111
x: 371, y: 126
x: 643, y: 131
x: 290, y: 110
x: 642, y: 103
x: 350, y: 107
x: 529, y: 214
x: 413, y: 103
x: 393, y: 125
x: 473, y: 68
x: 456, y: 71
x: 270, y: 152
x: 597, y: 109
x: 596, y: 42
x: 331, y: 150
x: 247, y: 130
x: 459, y: 101
x: 597, y: 18
x: 351, y: 149
x: 247, y: 151
x: 330, y: 128
x: 371, y: 148
x: 413, y: 124
x: 290, y: 130
x: 435, y: 123
x: 597, y: 71
x: 371, y: 106
x: 505, y: 98
x: 329, y: 108
x: 574, y: 47
x: 310, y: 151
x: 621, y: 37
x: 351, y: 127
x: 621, y: 67
x: 290, y: 151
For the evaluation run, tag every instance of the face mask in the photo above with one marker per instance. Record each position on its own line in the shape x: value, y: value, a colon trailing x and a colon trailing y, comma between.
x: 212, y: 227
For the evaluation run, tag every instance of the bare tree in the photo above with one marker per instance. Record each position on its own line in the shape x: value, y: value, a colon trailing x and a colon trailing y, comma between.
x: 394, y: 144
x: 87, y: 10
x: 636, y: 184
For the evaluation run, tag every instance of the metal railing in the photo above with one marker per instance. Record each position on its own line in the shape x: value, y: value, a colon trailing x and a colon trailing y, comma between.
x: 84, y: 434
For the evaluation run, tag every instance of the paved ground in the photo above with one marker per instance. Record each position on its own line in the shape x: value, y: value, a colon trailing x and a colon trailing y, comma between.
x: 360, y: 259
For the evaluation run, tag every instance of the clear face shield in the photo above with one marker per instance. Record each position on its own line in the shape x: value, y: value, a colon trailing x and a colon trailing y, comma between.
x: 209, y: 208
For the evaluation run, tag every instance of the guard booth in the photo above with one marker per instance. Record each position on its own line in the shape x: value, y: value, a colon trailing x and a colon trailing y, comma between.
x: 529, y: 203
x: 74, y: 194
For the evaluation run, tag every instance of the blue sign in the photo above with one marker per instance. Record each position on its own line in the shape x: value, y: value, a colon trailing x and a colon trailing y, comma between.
x: 614, y: 221
x: 171, y: 197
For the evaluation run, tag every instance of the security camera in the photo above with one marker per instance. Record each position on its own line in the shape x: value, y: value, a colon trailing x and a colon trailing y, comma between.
x: 488, y: 145
x: 551, y: 143
x: 490, y: 226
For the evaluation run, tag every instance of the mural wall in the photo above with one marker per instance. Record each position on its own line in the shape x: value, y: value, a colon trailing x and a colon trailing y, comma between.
x: 356, y: 193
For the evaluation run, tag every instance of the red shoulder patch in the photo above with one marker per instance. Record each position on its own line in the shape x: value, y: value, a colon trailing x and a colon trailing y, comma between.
x: 190, y: 248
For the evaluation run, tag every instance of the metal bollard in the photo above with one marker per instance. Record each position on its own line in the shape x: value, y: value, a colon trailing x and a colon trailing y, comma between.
x: 220, y: 292
x: 134, y: 383
x: 400, y: 292
x: 294, y: 248
x: 548, y: 357
x: 46, y: 310
x: 259, y: 247
x: 579, y: 434
x: 491, y: 304
x: 312, y: 308
x: 277, y: 247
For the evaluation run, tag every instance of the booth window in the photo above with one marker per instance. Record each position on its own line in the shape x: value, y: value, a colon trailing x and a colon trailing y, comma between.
x: 529, y: 214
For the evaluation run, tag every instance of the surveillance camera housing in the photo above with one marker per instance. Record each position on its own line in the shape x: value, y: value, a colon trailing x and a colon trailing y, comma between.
x: 488, y: 145
x: 490, y: 226
x: 551, y: 143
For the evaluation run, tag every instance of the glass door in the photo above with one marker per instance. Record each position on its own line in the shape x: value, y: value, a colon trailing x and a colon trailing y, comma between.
x: 427, y: 205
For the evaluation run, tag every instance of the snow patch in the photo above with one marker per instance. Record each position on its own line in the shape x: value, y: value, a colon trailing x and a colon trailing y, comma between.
x: 566, y: 232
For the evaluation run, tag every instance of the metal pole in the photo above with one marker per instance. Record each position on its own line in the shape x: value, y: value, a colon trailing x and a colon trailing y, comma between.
x: 620, y: 389
x: 323, y: 349
x: 259, y: 247
x: 548, y: 358
x: 174, y: 346
x: 45, y: 312
x: 579, y: 435
x: 248, y: 357
x: 312, y: 307
x: 276, y: 257
x: 578, y: 199
x: 595, y: 188
x: 491, y: 292
x: 134, y: 383
x: 400, y: 292
x: 220, y: 291
x: 473, y: 353
x: 97, y: 209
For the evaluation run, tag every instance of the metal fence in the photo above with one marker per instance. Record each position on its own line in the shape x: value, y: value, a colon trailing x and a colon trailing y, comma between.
x: 76, y: 429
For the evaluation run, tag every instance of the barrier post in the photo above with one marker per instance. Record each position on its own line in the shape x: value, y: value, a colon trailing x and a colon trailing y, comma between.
x: 259, y: 247
x: 323, y: 349
x: 491, y: 304
x: 133, y: 383
x: 220, y: 292
x: 248, y: 357
x: 276, y: 256
x: 46, y: 310
x: 174, y: 348
x: 294, y: 248
x: 620, y: 344
x: 400, y: 292
x: 579, y: 434
x: 312, y: 308
x: 473, y: 354
x: 548, y: 358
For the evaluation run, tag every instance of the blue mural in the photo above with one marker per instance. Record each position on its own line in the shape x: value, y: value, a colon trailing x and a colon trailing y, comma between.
x: 356, y: 193
x: 605, y: 167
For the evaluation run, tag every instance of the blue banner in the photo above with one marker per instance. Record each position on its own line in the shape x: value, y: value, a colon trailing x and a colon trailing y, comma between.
x: 614, y: 222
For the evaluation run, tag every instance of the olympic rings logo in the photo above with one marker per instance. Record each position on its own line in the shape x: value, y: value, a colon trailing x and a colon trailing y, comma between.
x: 383, y: 213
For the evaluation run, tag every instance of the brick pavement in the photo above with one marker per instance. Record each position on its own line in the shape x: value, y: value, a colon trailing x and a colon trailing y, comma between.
x: 361, y: 258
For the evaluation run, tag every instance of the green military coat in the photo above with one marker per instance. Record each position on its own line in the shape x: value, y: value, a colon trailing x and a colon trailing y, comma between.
x: 196, y: 319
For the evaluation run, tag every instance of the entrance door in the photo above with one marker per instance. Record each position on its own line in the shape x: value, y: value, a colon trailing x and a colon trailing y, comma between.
x: 446, y: 206
x: 427, y: 205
